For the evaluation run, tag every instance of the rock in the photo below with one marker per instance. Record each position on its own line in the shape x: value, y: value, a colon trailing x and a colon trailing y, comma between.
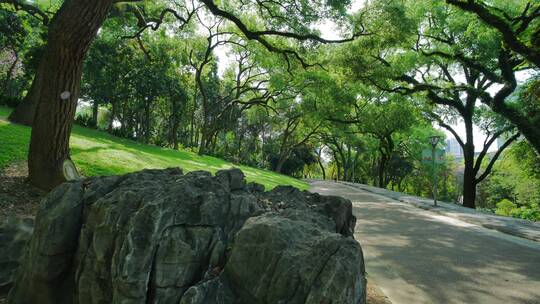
x: 233, y: 179
x: 158, y: 236
x: 14, y: 237
x: 279, y: 260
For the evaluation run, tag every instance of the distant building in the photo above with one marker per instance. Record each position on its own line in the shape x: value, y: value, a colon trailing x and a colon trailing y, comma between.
x: 453, y: 148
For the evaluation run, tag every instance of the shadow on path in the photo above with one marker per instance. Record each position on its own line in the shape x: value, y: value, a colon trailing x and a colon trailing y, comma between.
x: 436, y: 259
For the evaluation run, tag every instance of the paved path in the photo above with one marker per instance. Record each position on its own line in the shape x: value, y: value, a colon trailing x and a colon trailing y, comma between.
x: 418, y: 256
x: 509, y: 225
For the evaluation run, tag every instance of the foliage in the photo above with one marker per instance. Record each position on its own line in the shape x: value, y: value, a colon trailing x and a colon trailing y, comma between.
x: 9, y: 101
x: 21, y: 39
x: 515, y: 180
x: 98, y: 153
x: 505, y: 207
x: 262, y: 90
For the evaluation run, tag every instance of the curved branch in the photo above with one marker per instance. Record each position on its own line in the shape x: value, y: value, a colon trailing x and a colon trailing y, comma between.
x: 495, y: 157
x: 259, y: 36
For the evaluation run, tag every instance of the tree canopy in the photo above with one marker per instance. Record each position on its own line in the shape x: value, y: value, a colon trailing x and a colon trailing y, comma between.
x: 256, y: 83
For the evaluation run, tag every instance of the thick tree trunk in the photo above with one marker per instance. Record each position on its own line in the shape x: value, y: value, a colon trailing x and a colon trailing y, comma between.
x: 469, y: 191
x: 469, y: 173
x: 56, y: 87
x: 25, y: 112
x: 381, y: 171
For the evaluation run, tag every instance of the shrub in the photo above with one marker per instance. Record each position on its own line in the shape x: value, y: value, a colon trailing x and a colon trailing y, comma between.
x: 505, y: 207
x: 84, y: 120
x: 9, y: 101
x: 531, y: 213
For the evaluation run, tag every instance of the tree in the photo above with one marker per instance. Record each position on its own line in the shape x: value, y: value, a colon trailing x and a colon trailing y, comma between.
x: 437, y: 76
x: 296, y: 132
x: 514, y: 184
x: 516, y: 47
x: 520, y: 30
x: 55, y: 89
x: 20, y: 42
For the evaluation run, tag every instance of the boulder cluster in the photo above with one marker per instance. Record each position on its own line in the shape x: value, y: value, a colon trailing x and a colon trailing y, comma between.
x: 161, y: 236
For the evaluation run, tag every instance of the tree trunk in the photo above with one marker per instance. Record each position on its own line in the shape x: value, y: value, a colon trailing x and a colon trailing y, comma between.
x: 319, y: 160
x: 382, y: 169
x: 95, y: 111
x: 239, y: 147
x: 192, y: 126
x: 469, y: 191
x: 56, y: 87
x: 113, y: 116
x: 26, y: 111
x: 338, y: 166
x: 202, y: 144
x: 281, y: 162
x: 174, y: 135
x: 469, y: 174
x: 147, y: 121
x: 174, y: 123
x: 7, y: 90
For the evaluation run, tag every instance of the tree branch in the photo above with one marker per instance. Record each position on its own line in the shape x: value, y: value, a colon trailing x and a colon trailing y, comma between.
x: 488, y: 169
x: 259, y: 36
x: 509, y: 36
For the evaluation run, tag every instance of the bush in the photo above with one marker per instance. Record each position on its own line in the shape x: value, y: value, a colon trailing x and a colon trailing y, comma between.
x: 9, y: 101
x: 531, y: 213
x: 505, y: 207
x: 513, y: 188
x: 84, y: 120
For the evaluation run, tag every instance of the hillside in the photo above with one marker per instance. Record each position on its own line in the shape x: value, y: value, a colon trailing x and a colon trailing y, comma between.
x: 98, y: 153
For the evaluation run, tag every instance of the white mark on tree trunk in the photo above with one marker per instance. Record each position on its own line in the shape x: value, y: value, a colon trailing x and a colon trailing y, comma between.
x: 65, y: 95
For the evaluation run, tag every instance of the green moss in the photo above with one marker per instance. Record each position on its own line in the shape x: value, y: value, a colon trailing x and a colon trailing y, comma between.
x: 98, y: 153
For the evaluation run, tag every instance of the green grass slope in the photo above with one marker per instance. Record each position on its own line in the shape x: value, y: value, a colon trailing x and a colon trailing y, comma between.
x: 98, y: 153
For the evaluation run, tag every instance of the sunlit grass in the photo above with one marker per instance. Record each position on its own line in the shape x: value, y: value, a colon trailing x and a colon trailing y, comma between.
x: 98, y: 153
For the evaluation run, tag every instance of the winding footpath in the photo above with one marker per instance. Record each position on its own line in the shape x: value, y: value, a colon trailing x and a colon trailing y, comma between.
x: 419, y: 256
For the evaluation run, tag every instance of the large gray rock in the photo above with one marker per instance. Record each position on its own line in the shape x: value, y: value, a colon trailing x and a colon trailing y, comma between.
x: 159, y: 236
x: 14, y: 237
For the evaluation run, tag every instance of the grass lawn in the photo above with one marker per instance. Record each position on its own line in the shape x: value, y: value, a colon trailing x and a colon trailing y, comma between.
x: 98, y: 153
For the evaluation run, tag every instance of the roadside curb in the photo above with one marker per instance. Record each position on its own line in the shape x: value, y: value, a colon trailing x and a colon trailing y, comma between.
x: 512, y: 226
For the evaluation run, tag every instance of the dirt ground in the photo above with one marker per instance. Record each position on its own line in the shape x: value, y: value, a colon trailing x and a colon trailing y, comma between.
x: 375, y: 295
x: 19, y: 198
